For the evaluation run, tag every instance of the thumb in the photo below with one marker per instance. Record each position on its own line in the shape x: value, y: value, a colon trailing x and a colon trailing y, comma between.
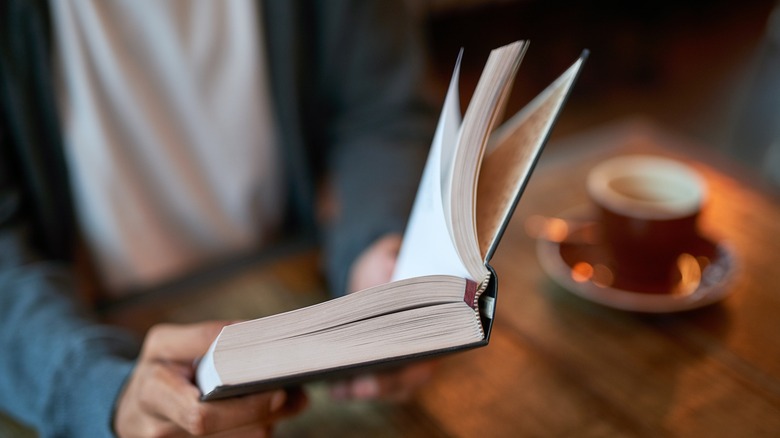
x: 180, y: 342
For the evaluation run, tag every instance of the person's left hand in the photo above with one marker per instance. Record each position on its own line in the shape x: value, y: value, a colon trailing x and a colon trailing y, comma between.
x: 160, y: 398
x: 374, y: 267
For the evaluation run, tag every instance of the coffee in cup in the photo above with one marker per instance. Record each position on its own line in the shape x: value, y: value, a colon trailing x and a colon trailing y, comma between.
x: 648, y: 208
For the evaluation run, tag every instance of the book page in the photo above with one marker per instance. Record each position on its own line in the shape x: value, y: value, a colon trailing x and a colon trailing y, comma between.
x: 408, y: 332
x: 487, y: 103
x: 513, y: 150
x: 246, y: 346
x: 427, y: 247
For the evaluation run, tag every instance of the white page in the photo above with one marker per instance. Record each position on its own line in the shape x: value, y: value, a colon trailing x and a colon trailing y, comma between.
x: 206, y: 374
x: 427, y: 248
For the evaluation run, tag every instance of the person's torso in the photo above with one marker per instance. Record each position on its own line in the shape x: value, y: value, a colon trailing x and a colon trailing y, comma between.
x: 168, y: 133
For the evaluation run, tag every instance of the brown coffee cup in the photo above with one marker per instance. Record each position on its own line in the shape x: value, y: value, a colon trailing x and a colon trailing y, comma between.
x: 648, y: 208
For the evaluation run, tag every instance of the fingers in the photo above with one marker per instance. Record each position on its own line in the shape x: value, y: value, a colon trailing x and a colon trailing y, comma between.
x: 173, y: 397
x: 401, y: 386
x: 375, y: 264
x: 396, y: 385
x: 182, y: 343
x: 170, y: 431
x: 161, y: 400
x: 359, y: 388
x: 296, y: 402
x: 253, y: 431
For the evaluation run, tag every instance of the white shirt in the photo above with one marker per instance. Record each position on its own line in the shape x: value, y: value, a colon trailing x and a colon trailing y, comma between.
x: 168, y: 131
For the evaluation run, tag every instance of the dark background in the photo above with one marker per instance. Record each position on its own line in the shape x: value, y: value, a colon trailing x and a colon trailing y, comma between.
x: 684, y: 64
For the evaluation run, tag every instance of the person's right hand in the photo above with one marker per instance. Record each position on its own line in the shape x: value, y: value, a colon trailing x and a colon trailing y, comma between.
x: 161, y: 400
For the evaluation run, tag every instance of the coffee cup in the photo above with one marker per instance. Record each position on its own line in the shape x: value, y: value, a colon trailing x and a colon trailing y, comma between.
x: 648, y: 208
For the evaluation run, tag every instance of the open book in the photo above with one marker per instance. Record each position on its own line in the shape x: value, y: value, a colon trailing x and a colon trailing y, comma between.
x: 442, y: 297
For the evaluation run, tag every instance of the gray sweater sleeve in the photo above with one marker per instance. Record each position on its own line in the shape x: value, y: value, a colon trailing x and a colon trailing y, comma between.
x: 60, y: 371
x: 383, y: 111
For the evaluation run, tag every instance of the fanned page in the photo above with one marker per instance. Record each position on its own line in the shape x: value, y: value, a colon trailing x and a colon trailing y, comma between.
x: 427, y: 247
x: 441, y: 235
x: 486, y: 105
x: 512, y: 153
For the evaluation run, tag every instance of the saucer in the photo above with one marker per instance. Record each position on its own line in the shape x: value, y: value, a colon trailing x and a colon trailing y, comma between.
x: 703, y: 276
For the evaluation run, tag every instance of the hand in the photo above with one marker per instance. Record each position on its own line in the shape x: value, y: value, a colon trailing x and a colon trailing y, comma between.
x: 395, y: 385
x: 373, y: 267
x: 161, y: 400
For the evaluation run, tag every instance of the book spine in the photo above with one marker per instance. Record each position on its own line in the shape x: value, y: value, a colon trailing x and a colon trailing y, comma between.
x: 471, y: 297
x: 474, y: 291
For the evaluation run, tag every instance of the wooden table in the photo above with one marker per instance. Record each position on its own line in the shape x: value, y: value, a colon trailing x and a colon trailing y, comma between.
x: 559, y: 365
